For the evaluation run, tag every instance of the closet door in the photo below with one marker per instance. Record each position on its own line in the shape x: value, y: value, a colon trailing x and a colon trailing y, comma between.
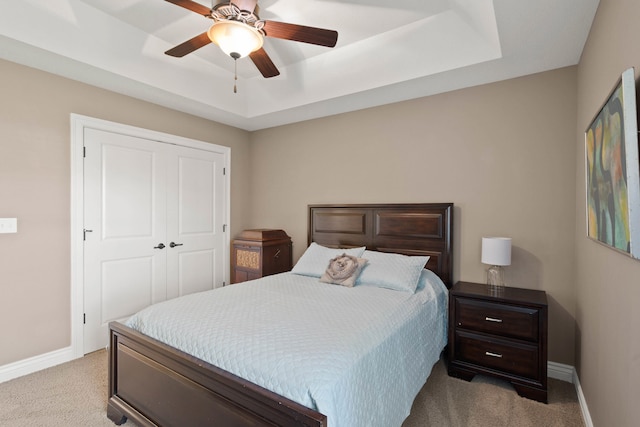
x: 125, y: 225
x: 154, y: 218
x: 195, y: 221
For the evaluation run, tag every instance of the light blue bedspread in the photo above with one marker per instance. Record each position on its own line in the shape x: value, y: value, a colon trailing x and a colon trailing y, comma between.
x: 358, y: 355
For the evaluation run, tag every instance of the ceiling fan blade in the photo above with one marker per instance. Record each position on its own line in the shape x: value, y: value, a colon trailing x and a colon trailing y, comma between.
x: 248, y: 5
x: 192, y: 6
x: 189, y: 46
x: 300, y: 33
x: 264, y: 63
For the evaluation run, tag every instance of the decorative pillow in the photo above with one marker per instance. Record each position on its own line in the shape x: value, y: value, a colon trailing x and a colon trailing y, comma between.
x: 343, y: 270
x: 315, y: 259
x: 392, y: 271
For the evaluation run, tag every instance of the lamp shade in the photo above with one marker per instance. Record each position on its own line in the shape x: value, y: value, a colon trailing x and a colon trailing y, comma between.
x: 235, y: 37
x: 496, y: 250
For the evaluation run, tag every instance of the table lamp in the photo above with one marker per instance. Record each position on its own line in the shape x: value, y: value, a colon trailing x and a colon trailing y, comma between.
x: 496, y: 251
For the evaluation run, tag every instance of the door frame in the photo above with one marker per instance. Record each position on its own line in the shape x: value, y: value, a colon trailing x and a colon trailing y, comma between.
x: 78, y: 124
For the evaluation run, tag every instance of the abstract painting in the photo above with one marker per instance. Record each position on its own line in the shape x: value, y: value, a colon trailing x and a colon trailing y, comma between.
x: 612, y: 169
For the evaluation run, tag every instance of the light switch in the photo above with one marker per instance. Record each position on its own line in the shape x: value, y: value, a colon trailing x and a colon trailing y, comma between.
x: 8, y: 225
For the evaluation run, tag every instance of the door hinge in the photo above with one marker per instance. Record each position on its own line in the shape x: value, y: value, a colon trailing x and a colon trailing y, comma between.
x: 84, y: 151
x: 84, y: 318
x: 224, y: 228
x: 224, y: 171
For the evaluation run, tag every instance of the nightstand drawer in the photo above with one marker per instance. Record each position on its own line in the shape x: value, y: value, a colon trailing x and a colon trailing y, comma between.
x: 505, y: 356
x: 500, y: 319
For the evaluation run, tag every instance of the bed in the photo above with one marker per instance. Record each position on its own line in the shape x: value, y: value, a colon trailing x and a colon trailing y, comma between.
x: 174, y: 381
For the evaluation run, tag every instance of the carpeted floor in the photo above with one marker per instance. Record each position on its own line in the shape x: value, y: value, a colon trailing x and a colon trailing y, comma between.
x: 75, y: 394
x: 485, y: 401
x: 71, y: 394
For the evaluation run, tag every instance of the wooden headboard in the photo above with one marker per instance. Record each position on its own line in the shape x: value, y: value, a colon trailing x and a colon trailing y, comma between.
x: 409, y: 229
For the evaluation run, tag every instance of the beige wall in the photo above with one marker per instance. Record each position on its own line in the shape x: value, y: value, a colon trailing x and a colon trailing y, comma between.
x: 503, y: 153
x: 35, y: 187
x: 487, y: 149
x: 608, y: 283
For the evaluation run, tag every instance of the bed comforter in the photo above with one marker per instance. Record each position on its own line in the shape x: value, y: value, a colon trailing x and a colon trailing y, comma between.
x: 358, y: 355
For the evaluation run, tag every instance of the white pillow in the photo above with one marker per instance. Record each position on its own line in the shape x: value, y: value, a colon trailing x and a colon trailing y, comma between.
x: 392, y: 271
x: 315, y: 260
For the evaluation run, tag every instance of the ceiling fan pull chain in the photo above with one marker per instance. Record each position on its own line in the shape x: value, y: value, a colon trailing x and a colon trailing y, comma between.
x: 235, y: 75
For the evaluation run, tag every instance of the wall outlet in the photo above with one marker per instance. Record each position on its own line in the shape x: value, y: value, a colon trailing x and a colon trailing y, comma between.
x: 8, y: 225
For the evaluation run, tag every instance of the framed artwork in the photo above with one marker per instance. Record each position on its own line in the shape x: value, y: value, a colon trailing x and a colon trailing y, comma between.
x: 612, y: 170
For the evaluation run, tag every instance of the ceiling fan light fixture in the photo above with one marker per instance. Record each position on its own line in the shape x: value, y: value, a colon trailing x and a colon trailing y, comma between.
x: 235, y: 38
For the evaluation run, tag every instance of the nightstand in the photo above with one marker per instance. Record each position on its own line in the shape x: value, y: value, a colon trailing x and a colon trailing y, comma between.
x: 260, y: 252
x: 499, y: 333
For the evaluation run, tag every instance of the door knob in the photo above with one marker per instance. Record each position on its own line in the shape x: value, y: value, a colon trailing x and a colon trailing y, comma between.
x: 160, y: 246
x: 173, y: 245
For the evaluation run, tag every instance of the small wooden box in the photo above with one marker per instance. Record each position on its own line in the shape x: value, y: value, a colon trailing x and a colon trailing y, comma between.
x: 260, y: 252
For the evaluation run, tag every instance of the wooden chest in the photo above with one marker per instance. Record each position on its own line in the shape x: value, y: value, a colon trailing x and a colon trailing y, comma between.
x: 260, y: 252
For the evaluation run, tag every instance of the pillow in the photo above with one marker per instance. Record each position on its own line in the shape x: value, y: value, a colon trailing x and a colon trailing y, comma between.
x: 392, y: 271
x: 315, y: 259
x: 343, y: 270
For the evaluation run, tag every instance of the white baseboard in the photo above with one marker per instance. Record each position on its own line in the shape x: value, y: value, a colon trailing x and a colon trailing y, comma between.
x: 36, y: 363
x: 560, y: 372
x: 568, y: 373
x: 583, y: 402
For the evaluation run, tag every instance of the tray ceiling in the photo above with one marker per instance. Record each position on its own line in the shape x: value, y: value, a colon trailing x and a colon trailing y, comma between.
x: 386, y: 51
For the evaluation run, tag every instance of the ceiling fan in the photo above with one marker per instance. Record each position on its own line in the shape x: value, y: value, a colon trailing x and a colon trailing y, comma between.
x: 239, y: 32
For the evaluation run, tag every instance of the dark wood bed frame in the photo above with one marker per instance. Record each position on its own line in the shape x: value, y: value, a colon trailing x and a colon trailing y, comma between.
x: 154, y: 384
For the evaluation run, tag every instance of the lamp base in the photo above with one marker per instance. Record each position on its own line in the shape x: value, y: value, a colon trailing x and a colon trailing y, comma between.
x: 495, y: 276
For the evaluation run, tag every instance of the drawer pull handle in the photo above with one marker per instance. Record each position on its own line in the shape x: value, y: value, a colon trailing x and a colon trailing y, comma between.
x: 492, y: 319
x: 488, y: 353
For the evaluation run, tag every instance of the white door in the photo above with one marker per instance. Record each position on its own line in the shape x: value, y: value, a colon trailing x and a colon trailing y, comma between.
x: 153, y: 216
x: 195, y: 221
